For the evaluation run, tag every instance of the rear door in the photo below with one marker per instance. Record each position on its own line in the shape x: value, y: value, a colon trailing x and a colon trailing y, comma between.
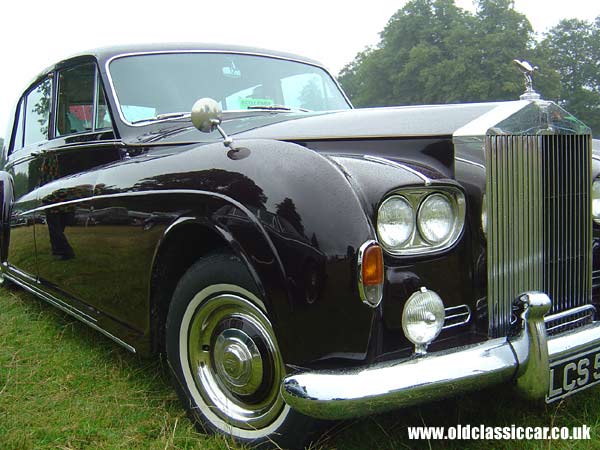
x: 30, y: 138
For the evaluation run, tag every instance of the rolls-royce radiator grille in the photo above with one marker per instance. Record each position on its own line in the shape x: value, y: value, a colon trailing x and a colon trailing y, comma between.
x: 539, y: 222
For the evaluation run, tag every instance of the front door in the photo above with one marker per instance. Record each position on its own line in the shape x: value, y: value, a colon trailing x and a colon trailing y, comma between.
x: 83, y: 141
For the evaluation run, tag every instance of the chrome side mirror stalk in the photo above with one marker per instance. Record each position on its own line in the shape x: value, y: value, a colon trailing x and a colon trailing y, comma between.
x: 206, y: 117
x: 227, y: 140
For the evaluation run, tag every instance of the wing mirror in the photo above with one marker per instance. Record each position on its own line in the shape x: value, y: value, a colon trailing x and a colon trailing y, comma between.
x: 207, y: 116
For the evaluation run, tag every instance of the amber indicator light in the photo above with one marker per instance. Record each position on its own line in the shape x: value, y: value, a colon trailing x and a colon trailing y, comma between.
x: 372, y: 266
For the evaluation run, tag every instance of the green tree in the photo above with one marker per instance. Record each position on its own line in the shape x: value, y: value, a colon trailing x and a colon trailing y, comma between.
x: 311, y: 96
x: 432, y: 51
x: 571, y: 49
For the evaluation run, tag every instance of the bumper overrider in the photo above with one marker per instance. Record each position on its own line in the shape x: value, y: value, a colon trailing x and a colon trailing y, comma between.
x: 525, y: 358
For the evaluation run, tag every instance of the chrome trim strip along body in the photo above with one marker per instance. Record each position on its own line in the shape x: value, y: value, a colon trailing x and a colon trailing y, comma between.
x: 361, y: 287
x: 472, y: 163
x: 76, y: 145
x: 18, y: 272
x: 79, y: 315
x: 367, y: 390
x: 94, y: 144
x: 20, y: 160
x: 230, y: 200
x: 228, y: 52
x: 388, y: 162
x: 456, y: 316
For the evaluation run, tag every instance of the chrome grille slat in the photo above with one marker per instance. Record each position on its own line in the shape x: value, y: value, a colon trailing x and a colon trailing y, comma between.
x: 456, y: 316
x: 569, y: 319
x: 539, y: 235
x: 570, y: 324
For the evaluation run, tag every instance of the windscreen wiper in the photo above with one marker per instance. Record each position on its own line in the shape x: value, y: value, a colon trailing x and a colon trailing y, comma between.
x: 277, y: 108
x: 172, y: 115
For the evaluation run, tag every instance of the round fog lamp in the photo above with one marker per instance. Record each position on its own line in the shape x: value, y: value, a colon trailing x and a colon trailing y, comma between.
x: 423, y: 318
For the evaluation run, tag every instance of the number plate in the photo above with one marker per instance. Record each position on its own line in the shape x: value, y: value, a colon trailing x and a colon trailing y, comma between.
x: 573, y: 374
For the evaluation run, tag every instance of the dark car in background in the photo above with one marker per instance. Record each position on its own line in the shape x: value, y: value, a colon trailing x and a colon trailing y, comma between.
x: 295, y: 258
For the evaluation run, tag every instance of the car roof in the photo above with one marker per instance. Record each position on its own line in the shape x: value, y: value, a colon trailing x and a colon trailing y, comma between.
x: 104, y: 54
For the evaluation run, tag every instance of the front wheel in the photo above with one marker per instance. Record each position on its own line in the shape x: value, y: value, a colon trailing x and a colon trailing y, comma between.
x: 223, y: 352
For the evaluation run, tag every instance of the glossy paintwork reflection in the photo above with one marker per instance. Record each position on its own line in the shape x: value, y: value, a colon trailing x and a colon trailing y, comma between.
x: 279, y: 228
x: 25, y: 174
x: 301, y: 241
x: 114, y: 248
x: 57, y: 222
x: 303, y: 261
x: 93, y: 211
x: 21, y: 251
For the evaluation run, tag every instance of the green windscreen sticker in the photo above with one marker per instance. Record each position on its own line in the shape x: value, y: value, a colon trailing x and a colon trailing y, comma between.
x: 247, y: 102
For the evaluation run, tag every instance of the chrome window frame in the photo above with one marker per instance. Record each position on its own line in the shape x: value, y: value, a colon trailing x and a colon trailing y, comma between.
x: 19, y: 115
x: 98, y: 86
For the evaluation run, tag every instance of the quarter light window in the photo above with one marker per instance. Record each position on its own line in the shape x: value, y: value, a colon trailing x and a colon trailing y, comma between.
x: 102, y: 114
x: 38, y: 113
x: 17, y: 143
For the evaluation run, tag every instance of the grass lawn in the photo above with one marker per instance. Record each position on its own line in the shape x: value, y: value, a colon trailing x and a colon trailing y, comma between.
x: 65, y: 386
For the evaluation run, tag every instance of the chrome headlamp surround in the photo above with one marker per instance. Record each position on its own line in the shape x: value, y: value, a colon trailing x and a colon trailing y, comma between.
x: 416, y: 244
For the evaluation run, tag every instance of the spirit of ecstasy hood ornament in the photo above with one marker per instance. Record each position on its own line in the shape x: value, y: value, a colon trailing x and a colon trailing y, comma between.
x: 527, y: 70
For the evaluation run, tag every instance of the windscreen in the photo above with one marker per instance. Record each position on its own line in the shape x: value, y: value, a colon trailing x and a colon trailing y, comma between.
x: 153, y: 84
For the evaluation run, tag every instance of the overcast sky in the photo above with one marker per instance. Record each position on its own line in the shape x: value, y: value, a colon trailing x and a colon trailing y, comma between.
x: 34, y: 35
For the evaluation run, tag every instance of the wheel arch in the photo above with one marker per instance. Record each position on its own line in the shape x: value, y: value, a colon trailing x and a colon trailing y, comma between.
x: 183, y: 243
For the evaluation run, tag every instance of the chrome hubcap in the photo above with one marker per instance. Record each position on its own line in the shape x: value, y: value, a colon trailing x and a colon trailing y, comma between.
x: 238, y: 362
x: 234, y: 361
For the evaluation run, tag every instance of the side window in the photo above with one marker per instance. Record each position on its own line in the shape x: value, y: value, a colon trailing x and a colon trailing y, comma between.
x: 37, y: 112
x: 75, y: 105
x: 17, y: 141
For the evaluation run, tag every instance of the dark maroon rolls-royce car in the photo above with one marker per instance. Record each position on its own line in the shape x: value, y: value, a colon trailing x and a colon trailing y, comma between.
x: 297, y: 259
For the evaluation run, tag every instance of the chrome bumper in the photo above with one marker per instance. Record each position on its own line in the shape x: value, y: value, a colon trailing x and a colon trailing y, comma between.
x: 363, y: 391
